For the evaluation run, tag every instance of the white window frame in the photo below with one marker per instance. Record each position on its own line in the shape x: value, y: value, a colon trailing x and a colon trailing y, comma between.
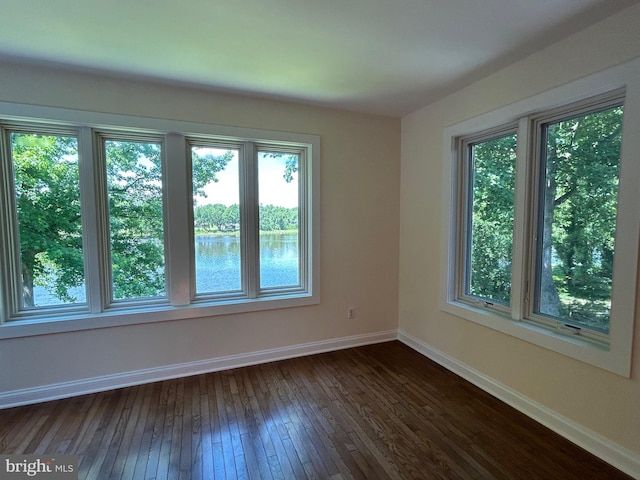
x: 180, y: 302
x: 464, y: 228
x: 303, y: 240
x: 612, y: 353
x: 249, y: 212
x: 100, y: 138
x: 591, y: 105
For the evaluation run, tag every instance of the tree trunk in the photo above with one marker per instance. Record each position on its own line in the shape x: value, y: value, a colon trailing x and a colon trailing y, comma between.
x: 27, y: 283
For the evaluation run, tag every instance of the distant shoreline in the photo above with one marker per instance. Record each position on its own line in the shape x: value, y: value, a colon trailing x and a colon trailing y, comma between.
x: 236, y: 233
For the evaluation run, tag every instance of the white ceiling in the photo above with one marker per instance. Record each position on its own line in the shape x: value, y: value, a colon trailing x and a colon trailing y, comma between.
x: 379, y: 56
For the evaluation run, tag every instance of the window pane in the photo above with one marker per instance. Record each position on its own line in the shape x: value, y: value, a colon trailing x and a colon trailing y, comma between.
x: 134, y: 183
x: 47, y: 188
x: 216, y: 216
x: 490, y: 220
x: 578, y: 218
x: 279, y: 212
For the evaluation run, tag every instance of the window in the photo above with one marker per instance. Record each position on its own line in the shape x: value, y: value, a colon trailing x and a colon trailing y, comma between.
x: 45, y: 186
x: 216, y: 215
x: 579, y: 173
x: 541, y: 235
x: 136, y: 226
x: 489, y: 167
x: 279, y: 217
x: 125, y: 221
x: 252, y: 246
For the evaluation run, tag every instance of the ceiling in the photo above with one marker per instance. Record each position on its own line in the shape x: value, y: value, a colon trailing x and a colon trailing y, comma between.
x: 387, y: 57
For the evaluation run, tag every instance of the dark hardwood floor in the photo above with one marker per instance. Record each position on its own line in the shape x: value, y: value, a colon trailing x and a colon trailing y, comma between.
x: 375, y: 412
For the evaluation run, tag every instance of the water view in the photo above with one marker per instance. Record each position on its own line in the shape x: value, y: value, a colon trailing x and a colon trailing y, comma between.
x: 218, y: 265
x: 218, y: 261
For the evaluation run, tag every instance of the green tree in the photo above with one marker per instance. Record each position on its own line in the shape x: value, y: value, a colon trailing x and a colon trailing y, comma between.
x: 491, y: 243
x: 210, y: 215
x: 47, y: 190
x: 578, y: 214
x: 232, y: 217
x: 290, y: 167
x: 278, y: 218
x: 134, y: 186
x: 202, y: 217
x: 49, y: 213
x: 580, y: 203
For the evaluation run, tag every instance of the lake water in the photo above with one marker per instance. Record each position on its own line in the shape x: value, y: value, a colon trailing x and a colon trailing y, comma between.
x: 218, y: 264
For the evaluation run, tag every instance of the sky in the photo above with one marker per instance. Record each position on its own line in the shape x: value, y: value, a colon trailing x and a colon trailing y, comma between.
x: 274, y: 190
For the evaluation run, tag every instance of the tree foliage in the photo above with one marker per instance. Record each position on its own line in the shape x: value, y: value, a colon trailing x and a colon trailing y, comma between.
x: 219, y: 217
x: 580, y: 204
x: 134, y: 186
x: 278, y: 218
x: 47, y: 188
x: 48, y: 205
x: 290, y: 167
x: 49, y: 214
x: 290, y: 163
x: 492, y: 218
x: 577, y: 211
x: 222, y: 218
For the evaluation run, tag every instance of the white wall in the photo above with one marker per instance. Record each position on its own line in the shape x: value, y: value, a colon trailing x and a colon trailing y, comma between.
x: 592, y: 401
x: 360, y: 178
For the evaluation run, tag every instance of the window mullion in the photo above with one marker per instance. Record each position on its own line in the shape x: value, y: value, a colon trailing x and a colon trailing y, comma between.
x: 521, y: 227
x: 460, y: 199
x: 179, y: 219
x: 625, y: 282
x: 9, y: 244
x: 303, y: 220
x: 92, y: 220
x: 102, y: 217
x: 249, y: 231
x: 465, y: 223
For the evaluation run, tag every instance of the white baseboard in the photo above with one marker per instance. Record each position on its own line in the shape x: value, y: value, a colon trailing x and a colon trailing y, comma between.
x: 137, y: 377
x: 603, y: 448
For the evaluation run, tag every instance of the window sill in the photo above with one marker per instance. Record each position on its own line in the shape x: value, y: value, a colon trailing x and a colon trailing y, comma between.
x: 573, y: 346
x: 115, y: 318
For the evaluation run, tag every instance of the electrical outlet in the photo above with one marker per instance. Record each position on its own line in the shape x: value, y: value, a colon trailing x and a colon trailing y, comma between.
x: 351, y: 313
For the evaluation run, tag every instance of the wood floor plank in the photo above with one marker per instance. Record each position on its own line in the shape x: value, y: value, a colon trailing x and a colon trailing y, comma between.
x: 158, y: 455
x: 191, y: 466
x: 130, y: 452
x: 120, y: 450
x: 92, y: 462
x: 17, y: 439
x: 48, y: 429
x: 225, y: 427
x: 374, y: 412
x: 276, y: 412
x: 165, y: 459
x: 145, y: 434
x: 404, y: 422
